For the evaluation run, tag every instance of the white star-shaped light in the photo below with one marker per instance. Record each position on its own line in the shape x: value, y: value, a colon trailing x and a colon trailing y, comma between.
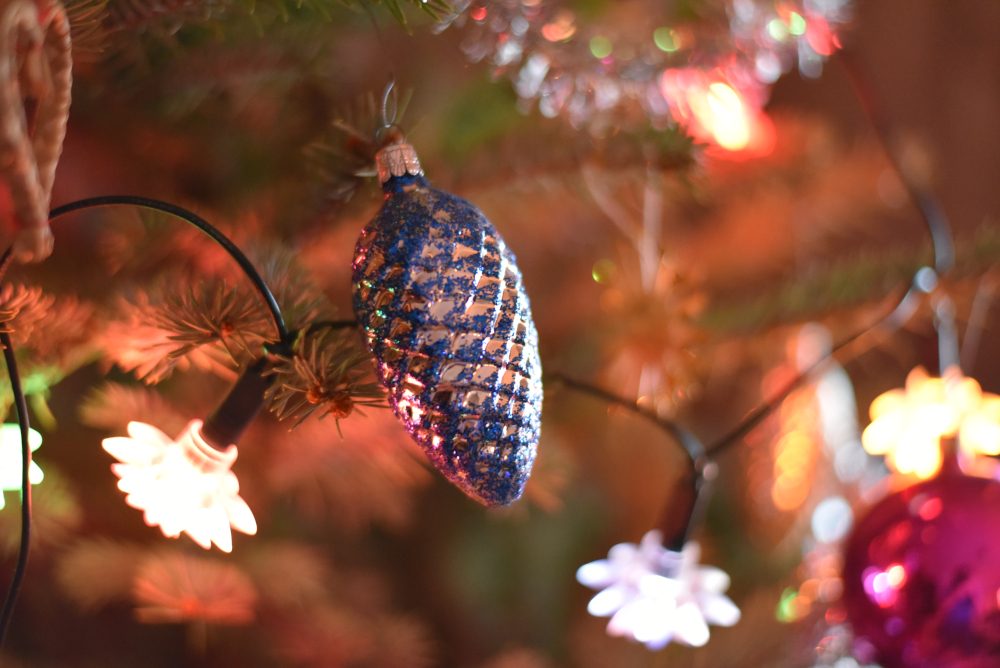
x: 182, y: 485
x: 10, y: 458
x: 654, y: 595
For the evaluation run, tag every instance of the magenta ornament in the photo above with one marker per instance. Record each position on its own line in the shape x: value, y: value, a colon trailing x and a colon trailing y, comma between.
x: 922, y: 576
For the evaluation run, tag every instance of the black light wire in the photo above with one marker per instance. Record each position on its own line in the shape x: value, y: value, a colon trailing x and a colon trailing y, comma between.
x: 21, y: 405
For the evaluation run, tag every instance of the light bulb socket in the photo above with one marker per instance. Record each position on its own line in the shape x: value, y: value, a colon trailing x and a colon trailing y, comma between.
x: 226, y: 425
x: 202, y: 454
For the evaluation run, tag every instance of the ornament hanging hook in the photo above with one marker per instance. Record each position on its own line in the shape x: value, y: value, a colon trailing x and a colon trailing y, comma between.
x: 389, y: 102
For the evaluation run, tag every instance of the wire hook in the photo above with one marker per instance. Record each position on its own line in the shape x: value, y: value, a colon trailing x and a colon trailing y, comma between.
x: 388, y: 120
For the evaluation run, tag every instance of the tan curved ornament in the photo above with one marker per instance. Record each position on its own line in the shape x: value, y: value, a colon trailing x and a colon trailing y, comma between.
x: 36, y: 75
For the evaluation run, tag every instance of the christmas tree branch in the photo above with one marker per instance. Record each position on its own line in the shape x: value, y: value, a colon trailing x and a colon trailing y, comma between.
x: 697, y: 486
x: 888, y: 324
x: 132, y: 14
x: 323, y: 371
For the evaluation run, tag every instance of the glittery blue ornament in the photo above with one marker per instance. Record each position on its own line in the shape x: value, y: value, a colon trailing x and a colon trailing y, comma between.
x: 439, y: 299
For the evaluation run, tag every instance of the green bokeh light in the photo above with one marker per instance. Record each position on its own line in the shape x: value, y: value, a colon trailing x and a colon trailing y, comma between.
x: 796, y: 24
x: 664, y: 39
x: 601, y: 47
x: 785, y: 612
x: 603, y: 271
x: 777, y: 29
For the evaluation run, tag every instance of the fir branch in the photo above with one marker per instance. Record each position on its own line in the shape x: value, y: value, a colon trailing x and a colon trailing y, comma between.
x: 172, y: 587
x: 113, y: 405
x: 327, y: 372
x: 244, y: 76
x: 436, y: 9
x: 490, y: 141
x: 21, y: 308
x: 332, y: 631
x: 54, y: 337
x: 56, y: 517
x: 86, y: 22
x: 290, y: 575
x: 203, y: 316
x: 301, y: 299
x: 364, y: 477
x: 97, y: 571
x: 137, y: 342
x: 216, y: 327
x: 66, y: 336
x: 854, y: 281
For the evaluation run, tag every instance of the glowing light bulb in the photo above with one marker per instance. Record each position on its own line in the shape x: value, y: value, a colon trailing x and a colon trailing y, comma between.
x: 10, y: 458
x: 717, y: 112
x: 907, y: 424
x: 657, y: 596
x: 728, y: 120
x: 182, y: 485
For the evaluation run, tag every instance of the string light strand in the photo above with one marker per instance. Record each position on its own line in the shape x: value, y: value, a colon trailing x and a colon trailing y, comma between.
x: 22, y: 418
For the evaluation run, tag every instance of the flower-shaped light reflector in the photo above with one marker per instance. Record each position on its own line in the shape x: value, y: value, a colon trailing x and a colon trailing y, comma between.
x: 907, y: 424
x: 655, y: 595
x: 10, y: 458
x: 181, y: 485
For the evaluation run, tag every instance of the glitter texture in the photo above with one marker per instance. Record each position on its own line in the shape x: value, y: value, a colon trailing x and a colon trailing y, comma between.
x: 439, y: 299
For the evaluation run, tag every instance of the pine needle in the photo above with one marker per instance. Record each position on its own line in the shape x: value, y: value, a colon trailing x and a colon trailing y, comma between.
x: 21, y: 308
x: 113, y: 405
x: 86, y: 22
x: 97, y: 571
x: 64, y: 336
x: 229, y: 317
x: 328, y: 372
x: 300, y: 298
x: 132, y: 15
x: 215, y: 328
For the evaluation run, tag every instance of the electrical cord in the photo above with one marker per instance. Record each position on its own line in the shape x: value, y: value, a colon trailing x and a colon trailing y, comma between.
x: 22, y: 417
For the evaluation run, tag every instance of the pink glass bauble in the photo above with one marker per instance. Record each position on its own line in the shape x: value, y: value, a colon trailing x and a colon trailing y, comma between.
x: 922, y: 576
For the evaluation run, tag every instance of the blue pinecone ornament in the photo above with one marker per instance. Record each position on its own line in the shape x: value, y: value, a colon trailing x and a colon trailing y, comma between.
x: 439, y: 298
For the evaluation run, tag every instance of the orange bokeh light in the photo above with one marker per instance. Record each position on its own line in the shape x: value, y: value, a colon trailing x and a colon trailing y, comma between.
x: 716, y: 112
x: 562, y: 27
x: 795, y: 450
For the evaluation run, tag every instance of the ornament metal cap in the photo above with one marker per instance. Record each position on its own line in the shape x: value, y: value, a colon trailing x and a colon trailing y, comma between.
x: 397, y: 160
